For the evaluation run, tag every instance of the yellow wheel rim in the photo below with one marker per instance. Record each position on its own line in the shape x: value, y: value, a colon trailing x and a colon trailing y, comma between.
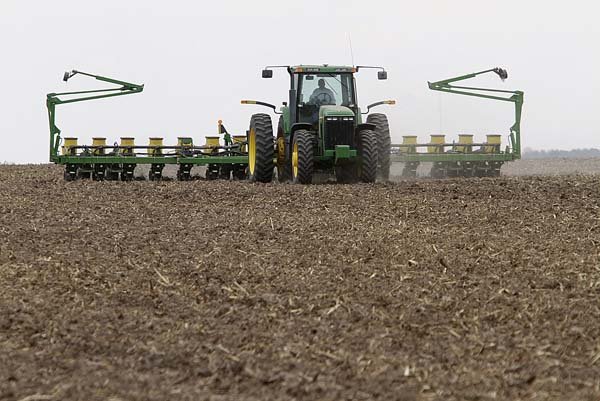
x: 252, y: 150
x: 280, y: 151
x: 295, y: 160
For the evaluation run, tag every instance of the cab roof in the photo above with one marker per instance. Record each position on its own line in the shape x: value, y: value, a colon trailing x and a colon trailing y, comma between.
x: 322, y: 68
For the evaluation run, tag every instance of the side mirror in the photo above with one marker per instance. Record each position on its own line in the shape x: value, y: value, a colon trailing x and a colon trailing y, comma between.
x: 267, y: 73
x: 382, y: 75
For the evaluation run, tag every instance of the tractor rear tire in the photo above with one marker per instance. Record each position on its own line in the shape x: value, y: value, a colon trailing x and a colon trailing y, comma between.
x: 284, y: 165
x: 260, y: 148
x: 384, y: 144
x: 367, y: 151
x: 302, y: 155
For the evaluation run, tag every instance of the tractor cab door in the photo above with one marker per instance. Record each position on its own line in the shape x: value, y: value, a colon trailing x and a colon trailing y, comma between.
x: 322, y: 89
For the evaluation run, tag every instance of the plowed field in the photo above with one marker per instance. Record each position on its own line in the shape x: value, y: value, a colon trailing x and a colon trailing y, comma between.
x: 475, y: 289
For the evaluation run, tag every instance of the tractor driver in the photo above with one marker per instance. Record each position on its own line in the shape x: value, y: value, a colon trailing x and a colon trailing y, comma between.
x: 322, y: 95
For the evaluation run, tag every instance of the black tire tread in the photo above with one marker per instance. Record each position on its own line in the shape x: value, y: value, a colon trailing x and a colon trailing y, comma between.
x: 384, y: 144
x: 263, y: 128
x: 368, y: 155
x: 304, y: 139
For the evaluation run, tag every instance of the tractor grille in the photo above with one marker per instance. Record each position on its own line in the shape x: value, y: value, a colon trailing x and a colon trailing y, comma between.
x: 339, y: 131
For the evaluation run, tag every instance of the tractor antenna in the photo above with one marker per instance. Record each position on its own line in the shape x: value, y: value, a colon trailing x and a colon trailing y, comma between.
x: 351, y: 51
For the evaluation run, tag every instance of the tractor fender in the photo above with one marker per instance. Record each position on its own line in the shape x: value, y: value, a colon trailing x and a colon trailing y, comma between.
x: 295, y: 127
x: 365, y: 126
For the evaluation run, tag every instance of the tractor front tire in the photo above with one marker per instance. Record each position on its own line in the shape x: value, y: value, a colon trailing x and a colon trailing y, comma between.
x: 367, y: 152
x: 302, y: 155
x: 260, y: 148
x: 384, y: 144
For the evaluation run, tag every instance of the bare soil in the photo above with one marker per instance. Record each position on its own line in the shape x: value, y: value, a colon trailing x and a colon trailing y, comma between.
x: 475, y: 289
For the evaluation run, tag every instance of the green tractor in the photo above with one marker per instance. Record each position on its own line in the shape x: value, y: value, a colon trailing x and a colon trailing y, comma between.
x: 320, y: 129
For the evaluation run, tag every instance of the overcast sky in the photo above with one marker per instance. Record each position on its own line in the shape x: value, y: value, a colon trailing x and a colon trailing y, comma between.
x: 198, y: 59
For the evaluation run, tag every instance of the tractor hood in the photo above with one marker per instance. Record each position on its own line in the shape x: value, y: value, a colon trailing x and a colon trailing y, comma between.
x: 335, y: 111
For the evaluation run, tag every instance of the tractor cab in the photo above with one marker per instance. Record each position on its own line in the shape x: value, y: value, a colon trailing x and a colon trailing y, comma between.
x: 332, y: 90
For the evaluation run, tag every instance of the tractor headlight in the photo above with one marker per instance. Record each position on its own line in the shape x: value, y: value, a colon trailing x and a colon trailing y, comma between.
x: 339, y: 119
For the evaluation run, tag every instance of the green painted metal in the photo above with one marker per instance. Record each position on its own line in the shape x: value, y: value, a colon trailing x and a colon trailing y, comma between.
x: 290, y: 110
x: 285, y: 112
x: 83, y: 159
x: 343, y: 152
x: 335, y: 111
x: 86, y: 159
x: 230, y: 153
x: 329, y: 111
x: 515, y: 97
x: 513, y: 152
x: 213, y: 160
x: 53, y: 99
x: 340, y: 152
x: 329, y: 156
x: 297, y: 69
x: 198, y: 160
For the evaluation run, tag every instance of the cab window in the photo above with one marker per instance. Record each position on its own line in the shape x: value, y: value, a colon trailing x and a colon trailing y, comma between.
x: 326, y: 89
